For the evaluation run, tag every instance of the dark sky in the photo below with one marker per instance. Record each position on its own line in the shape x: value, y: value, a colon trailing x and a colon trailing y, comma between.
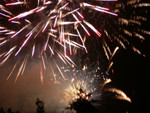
x: 131, y: 72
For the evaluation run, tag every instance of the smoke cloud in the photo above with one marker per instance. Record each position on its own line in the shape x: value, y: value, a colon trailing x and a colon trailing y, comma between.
x: 22, y: 95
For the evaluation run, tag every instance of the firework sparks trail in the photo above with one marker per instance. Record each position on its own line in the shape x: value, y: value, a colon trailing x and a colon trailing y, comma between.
x: 57, y: 24
x: 47, y: 28
x: 121, y: 95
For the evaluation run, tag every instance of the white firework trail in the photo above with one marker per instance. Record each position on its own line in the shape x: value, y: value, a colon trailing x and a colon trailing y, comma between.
x: 57, y: 24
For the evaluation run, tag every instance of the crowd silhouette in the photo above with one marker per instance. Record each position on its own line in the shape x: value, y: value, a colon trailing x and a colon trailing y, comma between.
x: 9, y: 110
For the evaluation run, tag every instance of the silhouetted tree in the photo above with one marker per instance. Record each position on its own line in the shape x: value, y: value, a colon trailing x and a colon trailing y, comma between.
x: 40, y: 106
x: 9, y: 110
x: 83, y: 104
x: 2, y: 110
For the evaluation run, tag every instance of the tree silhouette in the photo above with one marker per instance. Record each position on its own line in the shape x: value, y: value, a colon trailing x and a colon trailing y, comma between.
x: 2, y: 110
x: 83, y: 103
x: 40, y: 106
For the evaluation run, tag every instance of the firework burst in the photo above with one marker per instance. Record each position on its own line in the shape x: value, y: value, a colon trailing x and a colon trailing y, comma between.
x: 43, y: 28
x: 86, y: 86
x: 130, y: 27
x: 128, y: 30
x: 83, y: 84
